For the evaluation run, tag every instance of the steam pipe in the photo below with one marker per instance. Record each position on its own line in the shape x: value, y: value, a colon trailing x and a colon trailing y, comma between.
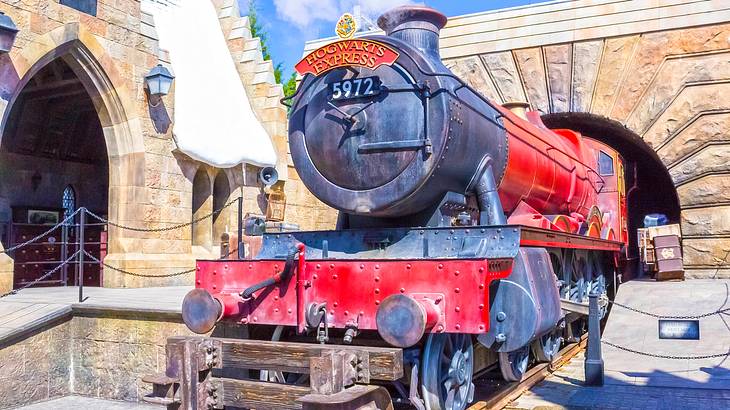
x: 490, y: 206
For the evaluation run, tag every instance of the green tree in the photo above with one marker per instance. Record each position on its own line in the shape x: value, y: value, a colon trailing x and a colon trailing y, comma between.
x: 257, y: 30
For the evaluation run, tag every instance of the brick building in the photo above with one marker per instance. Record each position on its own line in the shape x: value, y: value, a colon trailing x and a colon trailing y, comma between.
x: 78, y: 129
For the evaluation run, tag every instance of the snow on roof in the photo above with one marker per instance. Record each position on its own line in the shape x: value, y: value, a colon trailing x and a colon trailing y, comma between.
x: 214, y: 121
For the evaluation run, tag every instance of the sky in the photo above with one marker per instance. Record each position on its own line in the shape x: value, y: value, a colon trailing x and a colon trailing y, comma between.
x: 290, y: 23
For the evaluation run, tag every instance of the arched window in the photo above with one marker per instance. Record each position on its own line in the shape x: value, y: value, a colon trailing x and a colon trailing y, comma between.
x: 221, y: 192
x: 202, y: 205
x: 68, y: 201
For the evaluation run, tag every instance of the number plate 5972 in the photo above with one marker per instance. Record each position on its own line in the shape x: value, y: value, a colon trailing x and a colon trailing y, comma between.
x: 354, y: 88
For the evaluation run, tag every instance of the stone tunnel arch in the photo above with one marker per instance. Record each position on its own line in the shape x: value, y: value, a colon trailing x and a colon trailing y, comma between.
x: 648, y: 184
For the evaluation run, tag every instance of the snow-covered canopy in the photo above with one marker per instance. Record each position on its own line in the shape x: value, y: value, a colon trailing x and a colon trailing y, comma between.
x: 213, y: 121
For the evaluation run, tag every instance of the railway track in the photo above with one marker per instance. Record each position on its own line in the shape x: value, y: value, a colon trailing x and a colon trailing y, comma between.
x: 492, y: 393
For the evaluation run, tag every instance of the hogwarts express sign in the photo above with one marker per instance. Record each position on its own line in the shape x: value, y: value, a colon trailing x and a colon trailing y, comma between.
x: 355, y: 52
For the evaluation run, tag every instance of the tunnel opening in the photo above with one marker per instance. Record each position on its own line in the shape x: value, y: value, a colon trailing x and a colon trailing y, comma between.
x: 649, y: 186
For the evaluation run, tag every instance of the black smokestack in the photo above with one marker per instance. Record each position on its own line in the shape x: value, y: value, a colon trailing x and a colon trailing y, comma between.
x: 416, y: 25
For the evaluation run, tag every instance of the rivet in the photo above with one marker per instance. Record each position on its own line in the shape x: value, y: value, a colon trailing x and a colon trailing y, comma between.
x: 402, y: 290
x: 347, y: 313
x: 481, y: 269
x: 457, y: 327
x: 377, y: 266
x: 481, y: 327
x: 198, y: 282
x: 250, y: 266
x: 314, y: 276
x: 332, y: 265
x: 276, y: 297
x: 276, y: 310
x: 198, y: 267
x: 456, y: 273
x: 458, y: 309
x: 457, y: 290
x: 377, y: 291
x: 276, y: 267
x: 334, y: 304
x: 334, y: 276
x: 255, y: 319
x: 244, y: 320
x: 438, y: 299
x: 215, y: 271
x: 377, y: 278
x: 408, y: 266
x: 362, y: 313
x: 377, y: 301
x: 441, y: 266
x: 318, y: 266
x: 332, y: 312
x: 481, y: 307
x: 288, y: 311
x: 225, y: 266
x: 362, y: 266
x: 214, y: 287
x: 481, y: 286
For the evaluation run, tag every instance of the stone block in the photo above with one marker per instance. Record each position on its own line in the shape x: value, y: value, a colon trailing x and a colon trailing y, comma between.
x: 532, y: 68
x: 506, y: 77
x: 706, y: 221
x: 705, y: 128
x: 615, y: 58
x: 708, y: 190
x: 559, y: 63
x: 586, y: 60
x: 471, y: 70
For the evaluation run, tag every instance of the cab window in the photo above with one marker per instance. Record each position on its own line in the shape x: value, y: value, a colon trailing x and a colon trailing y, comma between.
x: 605, y: 164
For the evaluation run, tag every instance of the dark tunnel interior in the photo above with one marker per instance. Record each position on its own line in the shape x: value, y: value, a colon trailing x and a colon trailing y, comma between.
x: 648, y: 185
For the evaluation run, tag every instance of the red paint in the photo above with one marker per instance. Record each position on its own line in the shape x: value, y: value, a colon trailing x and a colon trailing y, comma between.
x: 455, y: 302
x: 355, y: 52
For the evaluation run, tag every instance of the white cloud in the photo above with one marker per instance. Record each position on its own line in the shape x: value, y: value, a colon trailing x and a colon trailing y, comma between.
x: 305, y: 13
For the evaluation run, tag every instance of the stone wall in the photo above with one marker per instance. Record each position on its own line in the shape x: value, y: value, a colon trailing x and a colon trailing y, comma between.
x: 150, y: 183
x: 97, y: 356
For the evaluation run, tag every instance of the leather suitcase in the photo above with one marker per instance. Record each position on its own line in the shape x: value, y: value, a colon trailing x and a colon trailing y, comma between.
x: 668, y: 254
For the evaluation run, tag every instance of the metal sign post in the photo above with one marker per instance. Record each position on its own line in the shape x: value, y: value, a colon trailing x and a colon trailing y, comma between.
x: 594, y: 360
x: 82, y: 222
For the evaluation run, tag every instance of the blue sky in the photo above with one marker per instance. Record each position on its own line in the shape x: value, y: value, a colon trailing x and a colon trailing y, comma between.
x: 289, y: 23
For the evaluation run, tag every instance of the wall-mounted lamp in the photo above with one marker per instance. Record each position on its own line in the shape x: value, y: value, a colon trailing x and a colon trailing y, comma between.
x: 158, y: 82
x: 8, y: 30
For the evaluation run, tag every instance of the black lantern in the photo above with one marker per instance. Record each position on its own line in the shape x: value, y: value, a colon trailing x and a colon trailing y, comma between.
x: 159, y: 81
x: 8, y: 30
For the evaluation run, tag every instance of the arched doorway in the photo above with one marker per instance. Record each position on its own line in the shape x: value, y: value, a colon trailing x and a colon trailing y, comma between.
x: 53, y: 147
x: 648, y: 184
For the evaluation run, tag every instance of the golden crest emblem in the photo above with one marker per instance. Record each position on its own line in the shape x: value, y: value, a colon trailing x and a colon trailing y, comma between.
x: 667, y: 253
x: 346, y: 26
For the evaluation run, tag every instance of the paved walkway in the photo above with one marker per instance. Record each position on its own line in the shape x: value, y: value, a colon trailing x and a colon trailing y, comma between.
x: 32, y: 308
x: 564, y: 390
x: 88, y: 403
x: 641, y: 333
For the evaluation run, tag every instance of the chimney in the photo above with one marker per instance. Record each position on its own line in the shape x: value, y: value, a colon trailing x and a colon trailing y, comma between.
x: 416, y: 25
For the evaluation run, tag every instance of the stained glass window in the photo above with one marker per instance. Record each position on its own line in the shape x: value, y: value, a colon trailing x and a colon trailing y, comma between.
x: 69, y: 201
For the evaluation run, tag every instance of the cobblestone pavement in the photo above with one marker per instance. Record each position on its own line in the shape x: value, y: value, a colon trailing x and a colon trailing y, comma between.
x: 564, y: 390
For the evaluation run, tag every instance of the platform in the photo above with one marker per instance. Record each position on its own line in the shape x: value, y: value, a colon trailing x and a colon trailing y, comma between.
x: 33, y: 308
x: 640, y: 332
x: 564, y: 389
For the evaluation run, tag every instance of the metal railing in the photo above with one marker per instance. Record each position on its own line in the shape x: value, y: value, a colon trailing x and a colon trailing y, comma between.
x: 78, y: 257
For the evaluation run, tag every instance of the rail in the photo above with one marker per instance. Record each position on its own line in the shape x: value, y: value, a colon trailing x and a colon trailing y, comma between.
x: 79, y: 219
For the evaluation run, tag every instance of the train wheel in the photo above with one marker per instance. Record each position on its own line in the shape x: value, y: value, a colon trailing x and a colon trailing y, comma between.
x: 447, y: 369
x: 514, y: 364
x: 546, y: 347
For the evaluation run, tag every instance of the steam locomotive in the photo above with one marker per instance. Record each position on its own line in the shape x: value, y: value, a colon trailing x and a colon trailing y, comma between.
x: 467, y: 230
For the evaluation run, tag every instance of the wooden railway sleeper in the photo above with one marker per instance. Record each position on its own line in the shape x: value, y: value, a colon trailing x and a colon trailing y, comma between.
x: 339, y: 375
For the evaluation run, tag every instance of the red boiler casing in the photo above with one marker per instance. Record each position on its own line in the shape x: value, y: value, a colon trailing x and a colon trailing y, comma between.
x: 547, y: 169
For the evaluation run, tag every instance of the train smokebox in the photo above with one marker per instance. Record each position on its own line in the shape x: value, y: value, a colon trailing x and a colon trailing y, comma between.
x: 416, y: 25
x: 402, y: 320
